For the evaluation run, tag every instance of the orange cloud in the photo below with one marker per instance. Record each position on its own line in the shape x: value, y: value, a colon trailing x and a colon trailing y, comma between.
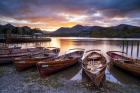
x: 46, y: 23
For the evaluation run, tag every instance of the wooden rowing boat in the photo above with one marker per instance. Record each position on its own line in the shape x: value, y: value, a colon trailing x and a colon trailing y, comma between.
x: 48, y: 67
x: 46, y: 52
x: 121, y: 60
x: 8, y: 56
x: 9, y: 48
x: 6, y: 50
x: 24, y: 63
x: 94, y: 65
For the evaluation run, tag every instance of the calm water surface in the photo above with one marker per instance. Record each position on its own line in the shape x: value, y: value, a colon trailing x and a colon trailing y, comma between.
x: 131, y: 46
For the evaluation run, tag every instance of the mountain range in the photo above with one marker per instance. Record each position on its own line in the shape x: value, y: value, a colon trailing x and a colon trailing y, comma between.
x: 122, y: 30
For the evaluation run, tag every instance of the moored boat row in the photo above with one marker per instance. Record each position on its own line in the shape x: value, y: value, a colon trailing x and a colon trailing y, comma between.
x: 48, y: 61
x: 23, y: 63
x: 7, y: 56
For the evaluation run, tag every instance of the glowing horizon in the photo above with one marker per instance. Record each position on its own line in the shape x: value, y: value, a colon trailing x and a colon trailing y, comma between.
x: 50, y: 15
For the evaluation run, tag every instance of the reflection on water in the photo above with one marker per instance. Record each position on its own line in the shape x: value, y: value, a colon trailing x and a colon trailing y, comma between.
x: 77, y: 76
x: 75, y: 73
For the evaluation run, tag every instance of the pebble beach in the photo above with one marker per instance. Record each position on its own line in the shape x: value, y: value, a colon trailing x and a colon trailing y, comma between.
x: 30, y: 81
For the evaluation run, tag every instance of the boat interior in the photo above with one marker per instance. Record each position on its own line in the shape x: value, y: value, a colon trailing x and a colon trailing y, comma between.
x: 93, y: 63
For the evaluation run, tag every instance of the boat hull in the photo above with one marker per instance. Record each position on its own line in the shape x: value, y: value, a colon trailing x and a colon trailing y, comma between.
x: 131, y: 68
x: 24, y: 66
x: 29, y: 63
x: 6, y: 61
x: 53, y: 67
x: 9, y: 58
x: 97, y: 79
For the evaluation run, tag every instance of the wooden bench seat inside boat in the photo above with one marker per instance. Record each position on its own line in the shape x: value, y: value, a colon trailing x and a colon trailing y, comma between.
x: 94, y: 67
x: 94, y: 59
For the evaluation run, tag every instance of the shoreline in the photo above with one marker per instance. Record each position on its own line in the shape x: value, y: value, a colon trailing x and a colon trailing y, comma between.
x: 30, y: 82
x: 24, y: 40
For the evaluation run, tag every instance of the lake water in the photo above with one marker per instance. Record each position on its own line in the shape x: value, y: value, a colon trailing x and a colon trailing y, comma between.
x: 130, y: 46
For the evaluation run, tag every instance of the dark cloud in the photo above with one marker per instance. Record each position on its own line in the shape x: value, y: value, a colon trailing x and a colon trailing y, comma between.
x: 109, y: 7
x: 25, y: 9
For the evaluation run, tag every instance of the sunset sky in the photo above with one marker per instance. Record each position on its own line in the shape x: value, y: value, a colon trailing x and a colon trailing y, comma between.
x: 52, y: 14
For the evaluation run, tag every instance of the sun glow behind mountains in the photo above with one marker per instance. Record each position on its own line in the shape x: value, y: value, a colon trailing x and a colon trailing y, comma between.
x: 50, y: 14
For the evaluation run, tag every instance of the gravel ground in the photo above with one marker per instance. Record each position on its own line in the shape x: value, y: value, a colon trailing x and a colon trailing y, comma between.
x: 29, y: 81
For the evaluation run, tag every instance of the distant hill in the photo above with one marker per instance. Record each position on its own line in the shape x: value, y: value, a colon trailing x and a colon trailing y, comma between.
x: 25, y: 30
x: 121, y: 30
x: 73, y: 30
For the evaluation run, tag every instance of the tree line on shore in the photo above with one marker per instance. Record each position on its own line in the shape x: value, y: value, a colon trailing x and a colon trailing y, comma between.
x: 25, y: 30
